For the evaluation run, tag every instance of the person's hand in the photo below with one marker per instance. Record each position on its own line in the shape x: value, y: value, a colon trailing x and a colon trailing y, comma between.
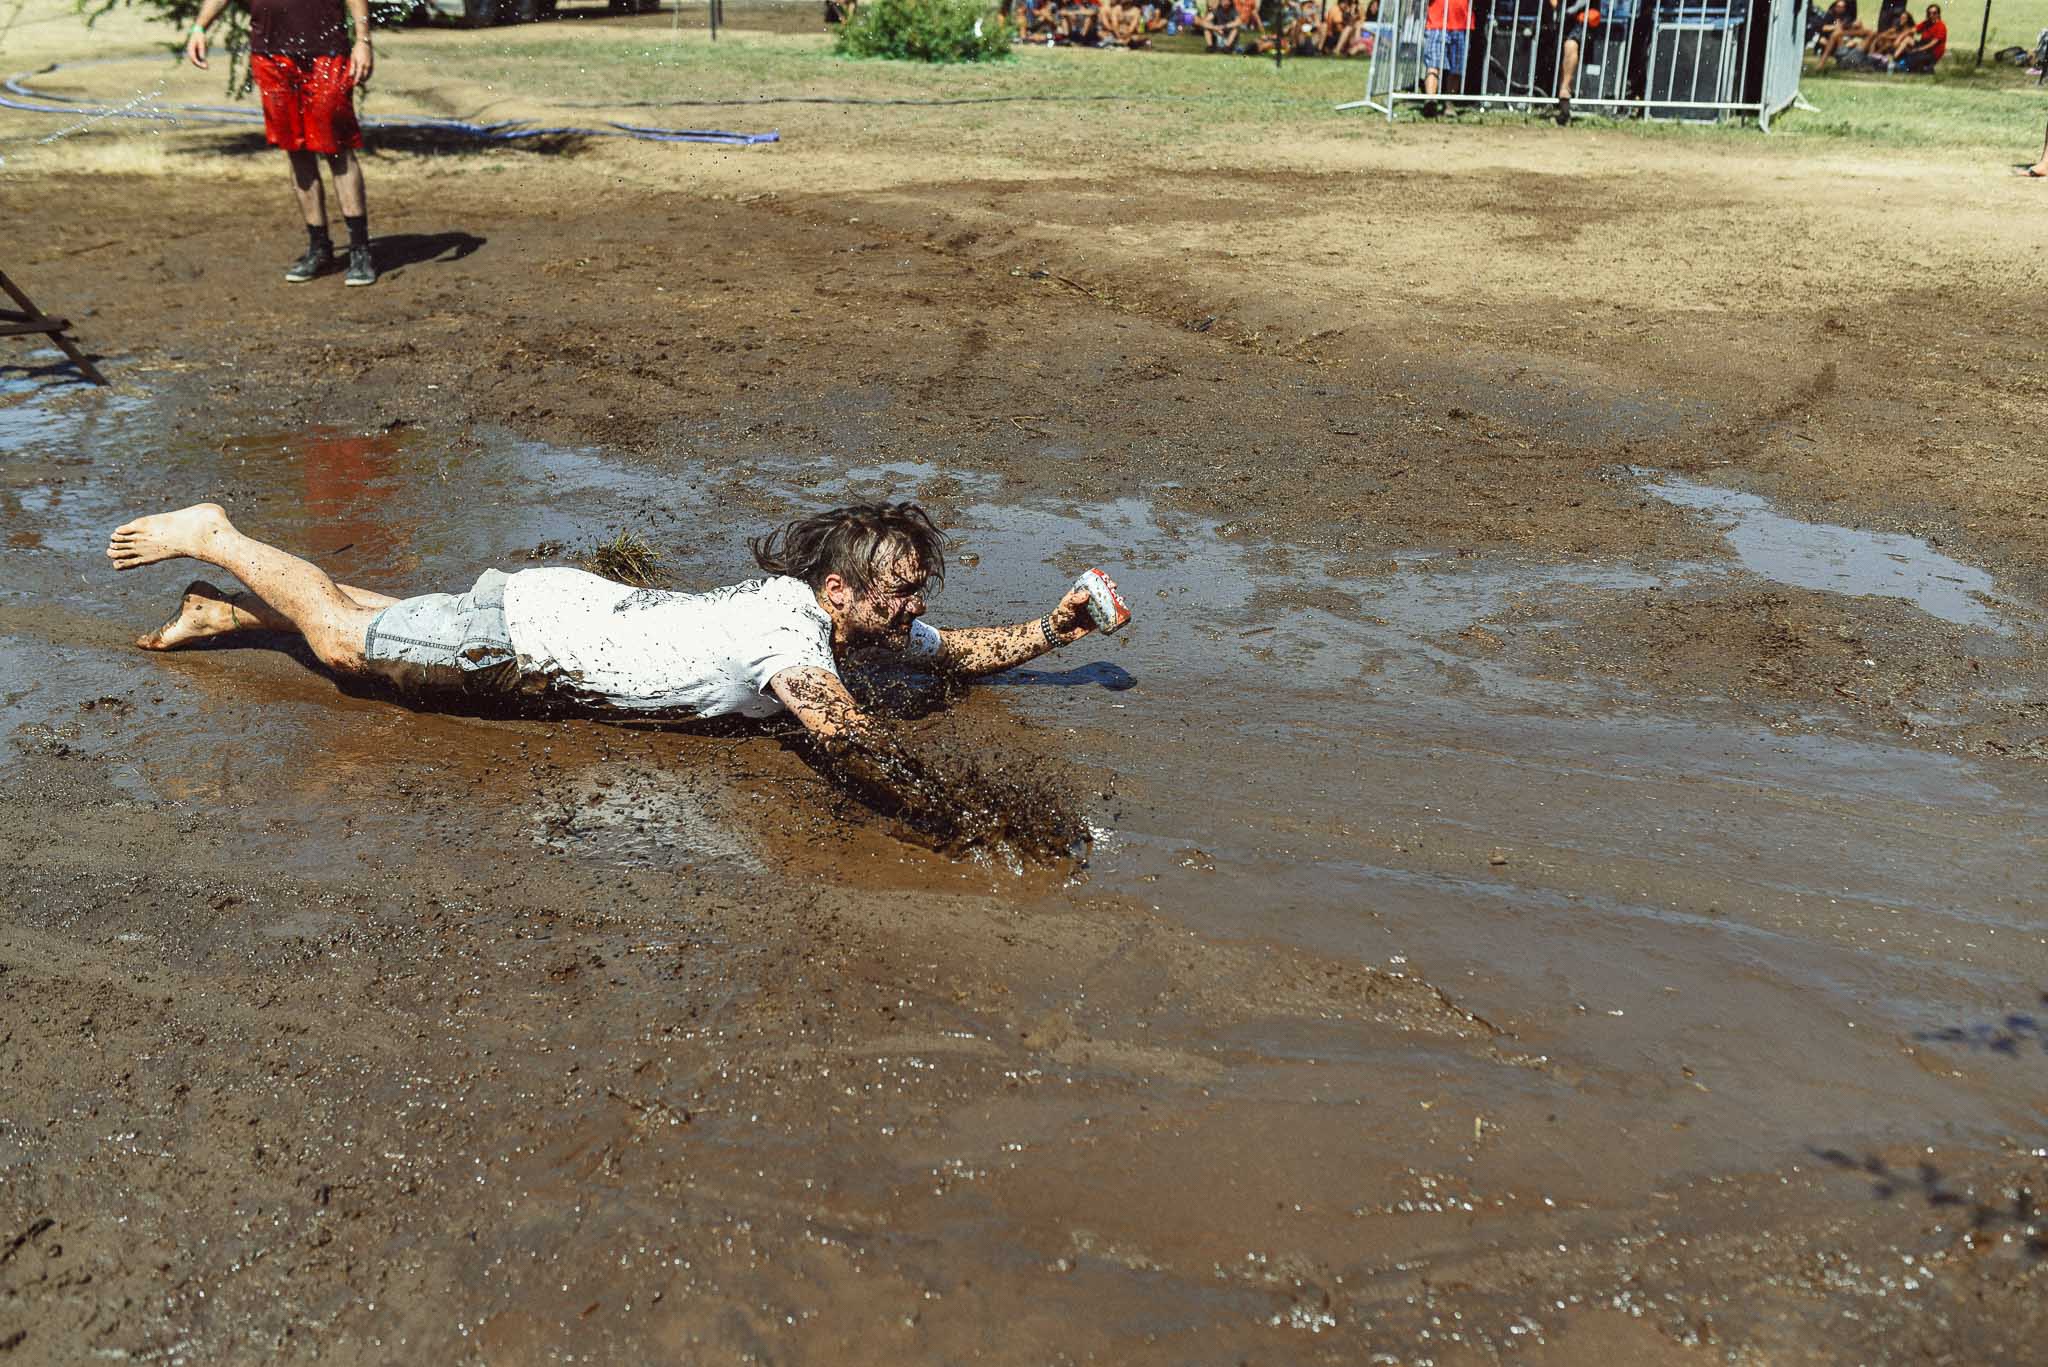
x: 1071, y: 620
x: 360, y: 60
x: 195, y: 47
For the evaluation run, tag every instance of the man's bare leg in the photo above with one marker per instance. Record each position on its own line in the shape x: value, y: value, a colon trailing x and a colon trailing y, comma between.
x: 348, y: 184
x: 206, y: 612
x: 306, y: 185
x: 1567, y: 73
x: 334, y: 624
x: 2040, y: 168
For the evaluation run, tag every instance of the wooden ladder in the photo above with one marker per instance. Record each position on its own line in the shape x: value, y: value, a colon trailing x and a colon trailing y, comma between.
x: 28, y: 320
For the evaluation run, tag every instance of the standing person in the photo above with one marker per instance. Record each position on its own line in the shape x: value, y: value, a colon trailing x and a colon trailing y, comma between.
x: 307, y: 67
x: 1446, y: 33
x: 1560, y: 30
x: 2039, y: 170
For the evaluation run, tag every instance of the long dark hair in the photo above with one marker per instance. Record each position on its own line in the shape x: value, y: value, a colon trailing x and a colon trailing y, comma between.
x: 852, y: 543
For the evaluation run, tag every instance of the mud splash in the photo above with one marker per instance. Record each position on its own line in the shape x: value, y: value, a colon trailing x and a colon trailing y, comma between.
x: 958, y: 801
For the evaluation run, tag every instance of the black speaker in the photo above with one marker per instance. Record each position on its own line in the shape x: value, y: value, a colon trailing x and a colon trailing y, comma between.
x: 1694, y: 60
x: 1507, y: 59
x: 1603, y: 64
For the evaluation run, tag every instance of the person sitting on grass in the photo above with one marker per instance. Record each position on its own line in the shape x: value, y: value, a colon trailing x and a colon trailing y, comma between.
x: 1888, y: 43
x: 848, y: 580
x: 1080, y: 22
x: 1861, y: 48
x: 1842, y: 31
x: 1929, y: 42
x: 1340, y: 27
x: 1123, y: 25
x: 1830, y: 32
x: 1362, y: 41
x: 1036, y: 19
x: 1219, y: 27
x: 1305, y: 29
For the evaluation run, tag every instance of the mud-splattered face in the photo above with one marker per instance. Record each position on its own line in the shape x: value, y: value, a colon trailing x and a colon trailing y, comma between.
x: 882, y: 613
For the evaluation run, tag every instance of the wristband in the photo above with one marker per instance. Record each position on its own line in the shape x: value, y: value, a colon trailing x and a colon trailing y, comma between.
x: 1052, y: 642
x: 198, y: 31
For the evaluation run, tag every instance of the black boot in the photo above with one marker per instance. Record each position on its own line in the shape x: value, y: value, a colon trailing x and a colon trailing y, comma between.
x: 318, y: 260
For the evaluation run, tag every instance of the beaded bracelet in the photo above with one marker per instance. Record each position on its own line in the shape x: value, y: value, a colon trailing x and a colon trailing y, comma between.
x: 1052, y: 642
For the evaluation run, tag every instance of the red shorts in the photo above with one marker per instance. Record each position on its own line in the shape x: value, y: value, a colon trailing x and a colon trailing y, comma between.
x: 306, y: 104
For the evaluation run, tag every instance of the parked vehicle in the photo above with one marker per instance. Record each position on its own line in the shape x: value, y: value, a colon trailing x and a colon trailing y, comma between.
x: 484, y: 13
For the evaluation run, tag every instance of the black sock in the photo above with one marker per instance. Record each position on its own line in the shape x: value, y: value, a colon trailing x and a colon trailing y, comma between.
x: 318, y: 240
x: 358, y: 230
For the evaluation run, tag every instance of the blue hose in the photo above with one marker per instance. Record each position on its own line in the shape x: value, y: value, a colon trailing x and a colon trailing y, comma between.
x: 15, y: 93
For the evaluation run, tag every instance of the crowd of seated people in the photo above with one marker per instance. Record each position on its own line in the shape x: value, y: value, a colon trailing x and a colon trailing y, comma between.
x: 1896, y: 43
x: 1303, y: 28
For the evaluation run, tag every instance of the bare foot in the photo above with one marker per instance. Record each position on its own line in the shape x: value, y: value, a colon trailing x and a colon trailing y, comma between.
x: 165, y: 536
x: 206, y: 612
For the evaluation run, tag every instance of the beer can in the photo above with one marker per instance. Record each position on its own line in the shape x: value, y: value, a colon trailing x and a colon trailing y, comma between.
x: 1105, y: 604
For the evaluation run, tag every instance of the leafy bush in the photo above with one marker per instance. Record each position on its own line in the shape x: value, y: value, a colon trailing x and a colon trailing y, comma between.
x: 926, y: 31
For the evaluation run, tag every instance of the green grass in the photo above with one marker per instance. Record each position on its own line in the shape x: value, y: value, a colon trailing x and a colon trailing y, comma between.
x: 1147, y: 100
x: 752, y: 65
x: 1954, y: 109
x: 2014, y: 23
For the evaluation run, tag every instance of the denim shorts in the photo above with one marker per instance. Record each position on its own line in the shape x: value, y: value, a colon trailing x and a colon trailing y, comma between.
x: 446, y: 641
x: 1444, y: 49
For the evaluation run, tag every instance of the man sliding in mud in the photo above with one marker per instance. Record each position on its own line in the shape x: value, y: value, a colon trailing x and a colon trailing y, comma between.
x: 840, y: 582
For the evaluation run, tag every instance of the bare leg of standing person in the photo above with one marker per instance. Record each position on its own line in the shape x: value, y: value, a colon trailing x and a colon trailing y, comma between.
x: 1567, y: 73
x: 347, y: 170
x: 306, y: 185
x: 312, y: 199
x: 348, y: 184
x: 334, y: 624
x: 2039, y: 170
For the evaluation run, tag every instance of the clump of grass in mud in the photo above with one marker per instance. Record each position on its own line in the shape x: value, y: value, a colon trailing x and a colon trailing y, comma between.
x: 957, y: 802
x: 627, y: 559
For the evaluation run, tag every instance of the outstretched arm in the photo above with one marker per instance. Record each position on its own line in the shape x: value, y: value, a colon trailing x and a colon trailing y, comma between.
x: 820, y: 701
x: 974, y: 651
x: 869, y: 758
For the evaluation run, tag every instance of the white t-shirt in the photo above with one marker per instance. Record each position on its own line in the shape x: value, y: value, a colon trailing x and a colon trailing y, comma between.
x: 648, y: 649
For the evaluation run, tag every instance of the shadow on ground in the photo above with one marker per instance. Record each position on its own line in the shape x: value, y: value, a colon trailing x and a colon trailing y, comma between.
x: 425, y: 142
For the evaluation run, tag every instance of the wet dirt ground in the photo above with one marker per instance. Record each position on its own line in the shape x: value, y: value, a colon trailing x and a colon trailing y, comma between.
x: 1568, y: 816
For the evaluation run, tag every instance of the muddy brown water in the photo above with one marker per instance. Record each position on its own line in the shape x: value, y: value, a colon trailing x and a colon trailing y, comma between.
x: 1407, y: 1002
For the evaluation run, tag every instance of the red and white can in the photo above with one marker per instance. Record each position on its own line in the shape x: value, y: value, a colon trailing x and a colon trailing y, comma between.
x: 1105, y: 604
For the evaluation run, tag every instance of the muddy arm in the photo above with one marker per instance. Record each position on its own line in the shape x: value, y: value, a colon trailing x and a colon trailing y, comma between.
x: 869, y: 759
x: 975, y: 651
x: 820, y: 701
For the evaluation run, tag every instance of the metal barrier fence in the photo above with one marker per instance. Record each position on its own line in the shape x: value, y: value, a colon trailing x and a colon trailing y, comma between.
x: 1701, y: 60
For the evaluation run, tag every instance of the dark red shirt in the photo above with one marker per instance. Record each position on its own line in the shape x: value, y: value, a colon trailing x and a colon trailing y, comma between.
x: 298, y: 28
x: 1935, y: 30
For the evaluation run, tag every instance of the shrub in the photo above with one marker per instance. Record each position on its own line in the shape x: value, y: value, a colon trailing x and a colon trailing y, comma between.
x: 926, y: 31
